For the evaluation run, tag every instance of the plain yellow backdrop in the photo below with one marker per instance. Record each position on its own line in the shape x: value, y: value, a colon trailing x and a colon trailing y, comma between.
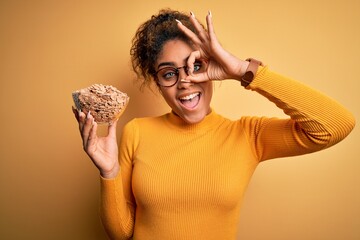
x: 50, y: 189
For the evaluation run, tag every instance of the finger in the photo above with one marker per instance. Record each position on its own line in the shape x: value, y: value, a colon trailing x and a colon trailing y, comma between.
x: 214, y: 43
x: 190, y: 34
x: 191, y: 61
x: 91, y: 140
x: 197, y: 78
x: 203, y: 35
x: 76, y: 113
x: 112, y: 129
x: 85, y: 132
x: 210, y: 27
x: 82, y: 118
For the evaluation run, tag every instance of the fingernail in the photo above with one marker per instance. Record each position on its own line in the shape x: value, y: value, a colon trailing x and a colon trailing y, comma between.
x: 178, y: 21
x: 210, y: 13
x: 192, y: 14
x: 88, y: 114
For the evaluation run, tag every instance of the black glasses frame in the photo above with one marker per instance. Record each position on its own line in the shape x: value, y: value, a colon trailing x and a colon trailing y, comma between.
x: 176, y: 70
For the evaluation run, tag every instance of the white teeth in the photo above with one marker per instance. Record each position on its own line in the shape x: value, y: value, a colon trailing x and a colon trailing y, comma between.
x: 189, y: 97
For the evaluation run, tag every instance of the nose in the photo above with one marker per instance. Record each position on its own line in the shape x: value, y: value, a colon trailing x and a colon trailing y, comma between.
x: 182, y: 74
x: 182, y: 71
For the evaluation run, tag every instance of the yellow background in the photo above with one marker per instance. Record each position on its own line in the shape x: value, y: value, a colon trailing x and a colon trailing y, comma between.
x: 50, y: 189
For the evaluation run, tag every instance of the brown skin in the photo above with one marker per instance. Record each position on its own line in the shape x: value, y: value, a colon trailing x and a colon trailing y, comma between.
x: 221, y: 65
x: 103, y: 151
x: 175, y: 53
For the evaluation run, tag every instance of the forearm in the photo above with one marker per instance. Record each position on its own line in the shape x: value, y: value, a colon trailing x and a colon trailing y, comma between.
x: 323, y: 120
x: 117, y: 214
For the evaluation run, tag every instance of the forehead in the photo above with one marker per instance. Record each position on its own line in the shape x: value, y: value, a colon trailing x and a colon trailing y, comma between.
x: 175, y: 52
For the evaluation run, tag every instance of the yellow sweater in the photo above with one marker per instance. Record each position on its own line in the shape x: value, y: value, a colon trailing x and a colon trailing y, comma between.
x: 181, y: 181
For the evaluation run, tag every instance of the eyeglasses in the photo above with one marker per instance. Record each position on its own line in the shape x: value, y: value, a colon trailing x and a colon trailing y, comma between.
x: 169, y: 76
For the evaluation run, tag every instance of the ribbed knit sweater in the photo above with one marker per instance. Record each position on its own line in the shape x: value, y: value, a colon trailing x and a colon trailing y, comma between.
x: 181, y: 181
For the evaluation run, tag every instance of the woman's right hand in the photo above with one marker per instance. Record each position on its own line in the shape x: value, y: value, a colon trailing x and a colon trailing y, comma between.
x: 103, y: 151
x: 221, y: 64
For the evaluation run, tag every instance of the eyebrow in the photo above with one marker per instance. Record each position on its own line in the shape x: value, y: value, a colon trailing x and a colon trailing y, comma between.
x: 171, y: 63
x: 166, y: 64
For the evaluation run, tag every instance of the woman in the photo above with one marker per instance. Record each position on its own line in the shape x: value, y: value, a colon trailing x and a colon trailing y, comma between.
x: 183, y: 175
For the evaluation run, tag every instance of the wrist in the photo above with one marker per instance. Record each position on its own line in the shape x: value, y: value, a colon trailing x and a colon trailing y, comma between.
x: 108, y: 174
x: 250, y: 71
x: 241, y: 70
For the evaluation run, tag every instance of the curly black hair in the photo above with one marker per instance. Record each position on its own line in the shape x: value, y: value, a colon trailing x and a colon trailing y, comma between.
x: 150, y: 39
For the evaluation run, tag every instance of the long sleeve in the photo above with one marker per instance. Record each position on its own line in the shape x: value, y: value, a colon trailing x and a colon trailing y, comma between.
x: 117, y: 206
x: 189, y: 179
x: 317, y: 121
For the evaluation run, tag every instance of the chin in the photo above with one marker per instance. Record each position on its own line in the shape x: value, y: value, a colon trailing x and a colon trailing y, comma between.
x: 194, y: 118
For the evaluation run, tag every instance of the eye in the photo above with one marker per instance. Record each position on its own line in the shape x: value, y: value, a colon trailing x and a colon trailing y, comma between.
x: 197, y: 67
x: 167, y: 73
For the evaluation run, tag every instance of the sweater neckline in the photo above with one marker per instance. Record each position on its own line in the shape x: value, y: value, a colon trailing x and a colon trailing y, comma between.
x: 207, y: 123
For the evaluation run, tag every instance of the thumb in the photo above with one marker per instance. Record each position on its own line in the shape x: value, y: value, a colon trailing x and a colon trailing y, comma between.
x: 198, y: 77
x: 112, y: 129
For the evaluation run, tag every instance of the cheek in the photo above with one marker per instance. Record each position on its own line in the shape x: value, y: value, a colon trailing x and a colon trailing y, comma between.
x: 208, y: 90
x: 168, y: 95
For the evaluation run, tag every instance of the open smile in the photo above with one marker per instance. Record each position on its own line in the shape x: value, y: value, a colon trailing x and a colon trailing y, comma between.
x: 190, y: 101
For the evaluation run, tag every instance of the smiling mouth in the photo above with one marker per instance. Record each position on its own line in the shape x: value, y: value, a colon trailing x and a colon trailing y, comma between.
x: 190, y: 101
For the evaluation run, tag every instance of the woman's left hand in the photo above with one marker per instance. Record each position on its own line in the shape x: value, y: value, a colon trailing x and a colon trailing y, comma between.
x: 220, y: 63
